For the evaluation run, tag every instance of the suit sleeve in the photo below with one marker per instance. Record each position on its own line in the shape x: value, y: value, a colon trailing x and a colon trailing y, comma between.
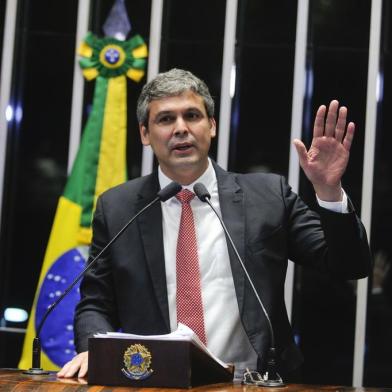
x: 97, y: 309
x: 332, y: 242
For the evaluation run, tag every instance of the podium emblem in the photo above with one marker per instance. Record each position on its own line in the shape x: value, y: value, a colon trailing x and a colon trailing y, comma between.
x: 137, y: 362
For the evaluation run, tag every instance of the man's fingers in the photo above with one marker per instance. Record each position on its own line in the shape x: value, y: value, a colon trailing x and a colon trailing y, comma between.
x: 333, y: 123
x: 348, y: 139
x: 68, y: 370
x: 72, y: 370
x: 301, y: 150
x: 341, y: 124
x: 330, y: 123
x: 63, y: 370
x: 318, y: 129
x: 83, y: 367
x: 79, y: 364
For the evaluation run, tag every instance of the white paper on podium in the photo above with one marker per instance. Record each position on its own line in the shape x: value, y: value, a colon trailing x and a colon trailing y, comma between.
x: 182, y: 333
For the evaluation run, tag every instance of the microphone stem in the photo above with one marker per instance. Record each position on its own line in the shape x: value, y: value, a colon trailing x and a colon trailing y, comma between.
x: 37, y: 343
x: 228, y: 236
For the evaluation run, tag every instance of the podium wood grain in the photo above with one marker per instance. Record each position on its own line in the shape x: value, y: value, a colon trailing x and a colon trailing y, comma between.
x: 12, y: 380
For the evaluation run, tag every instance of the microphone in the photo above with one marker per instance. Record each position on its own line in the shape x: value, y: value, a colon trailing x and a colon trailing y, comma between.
x: 270, y: 378
x: 164, y: 194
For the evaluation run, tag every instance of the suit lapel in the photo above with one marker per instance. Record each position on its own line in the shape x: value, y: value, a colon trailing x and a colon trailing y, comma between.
x: 150, y: 224
x: 231, y: 199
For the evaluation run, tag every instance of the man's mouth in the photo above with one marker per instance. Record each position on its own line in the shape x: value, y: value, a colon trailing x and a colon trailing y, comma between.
x: 182, y: 147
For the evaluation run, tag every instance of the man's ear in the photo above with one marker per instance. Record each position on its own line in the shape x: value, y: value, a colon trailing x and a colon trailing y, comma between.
x: 212, y: 127
x: 144, y: 135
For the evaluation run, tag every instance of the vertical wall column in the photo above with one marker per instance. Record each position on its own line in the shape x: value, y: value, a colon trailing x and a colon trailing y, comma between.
x: 367, y: 181
x: 299, y: 86
x: 228, y: 72
x: 153, y: 69
x: 78, y: 85
x: 6, y: 112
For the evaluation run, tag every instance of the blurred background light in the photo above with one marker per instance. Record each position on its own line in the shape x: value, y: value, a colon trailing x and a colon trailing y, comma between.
x: 15, y: 315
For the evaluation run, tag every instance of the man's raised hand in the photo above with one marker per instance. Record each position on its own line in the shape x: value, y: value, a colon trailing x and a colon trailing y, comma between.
x: 326, y: 160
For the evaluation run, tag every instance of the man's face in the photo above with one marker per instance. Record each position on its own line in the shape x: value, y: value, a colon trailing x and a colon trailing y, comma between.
x: 179, y: 132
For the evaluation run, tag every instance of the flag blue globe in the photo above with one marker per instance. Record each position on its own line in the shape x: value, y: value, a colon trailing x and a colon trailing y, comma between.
x: 57, y: 337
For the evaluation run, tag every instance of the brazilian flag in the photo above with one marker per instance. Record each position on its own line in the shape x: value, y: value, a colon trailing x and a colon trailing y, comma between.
x: 100, y: 164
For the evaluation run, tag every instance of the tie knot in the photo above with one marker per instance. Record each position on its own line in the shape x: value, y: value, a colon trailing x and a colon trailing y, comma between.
x: 185, y: 196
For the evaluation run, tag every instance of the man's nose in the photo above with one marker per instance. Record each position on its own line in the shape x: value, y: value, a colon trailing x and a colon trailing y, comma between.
x: 180, y: 126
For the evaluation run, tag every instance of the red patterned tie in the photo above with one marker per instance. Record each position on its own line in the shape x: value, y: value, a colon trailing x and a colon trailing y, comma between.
x: 189, y: 300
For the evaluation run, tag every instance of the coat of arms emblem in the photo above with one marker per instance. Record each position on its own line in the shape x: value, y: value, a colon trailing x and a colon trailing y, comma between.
x: 137, y: 362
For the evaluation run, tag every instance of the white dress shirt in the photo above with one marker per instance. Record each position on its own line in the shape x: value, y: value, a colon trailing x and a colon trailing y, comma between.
x: 226, y: 337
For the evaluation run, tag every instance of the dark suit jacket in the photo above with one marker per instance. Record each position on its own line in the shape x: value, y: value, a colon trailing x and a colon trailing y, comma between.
x: 269, y: 225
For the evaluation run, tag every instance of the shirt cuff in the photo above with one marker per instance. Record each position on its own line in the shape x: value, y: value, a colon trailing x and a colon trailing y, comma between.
x: 336, y: 206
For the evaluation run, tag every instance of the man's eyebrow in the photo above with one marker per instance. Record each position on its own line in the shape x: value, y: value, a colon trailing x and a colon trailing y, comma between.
x: 193, y: 108
x: 163, y: 112
x: 171, y: 111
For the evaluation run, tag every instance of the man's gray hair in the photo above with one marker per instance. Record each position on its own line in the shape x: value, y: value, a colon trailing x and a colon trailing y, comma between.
x: 169, y: 84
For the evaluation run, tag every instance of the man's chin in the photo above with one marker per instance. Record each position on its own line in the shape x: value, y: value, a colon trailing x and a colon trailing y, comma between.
x: 190, y: 162
x: 185, y: 166
x: 178, y: 157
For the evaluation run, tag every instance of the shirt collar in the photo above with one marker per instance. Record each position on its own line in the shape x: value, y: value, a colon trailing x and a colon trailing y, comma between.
x: 208, y: 178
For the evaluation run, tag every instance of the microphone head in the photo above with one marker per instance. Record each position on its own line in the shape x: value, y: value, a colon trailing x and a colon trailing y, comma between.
x: 201, y: 192
x: 169, y: 191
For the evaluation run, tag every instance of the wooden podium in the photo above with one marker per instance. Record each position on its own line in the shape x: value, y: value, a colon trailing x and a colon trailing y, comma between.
x: 152, y: 363
x: 13, y: 380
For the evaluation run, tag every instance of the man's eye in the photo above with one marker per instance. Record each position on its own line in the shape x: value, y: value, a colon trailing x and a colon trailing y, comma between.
x: 192, y: 115
x: 165, y: 119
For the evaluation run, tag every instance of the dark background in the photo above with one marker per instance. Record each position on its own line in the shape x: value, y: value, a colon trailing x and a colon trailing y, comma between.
x: 192, y: 38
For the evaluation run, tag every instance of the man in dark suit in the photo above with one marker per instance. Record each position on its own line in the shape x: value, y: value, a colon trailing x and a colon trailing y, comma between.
x: 134, y: 286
